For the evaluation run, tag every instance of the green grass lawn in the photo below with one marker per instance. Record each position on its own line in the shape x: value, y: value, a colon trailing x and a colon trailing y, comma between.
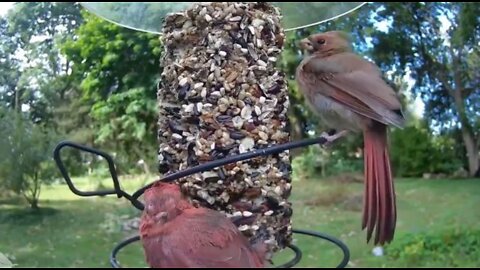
x: 72, y: 231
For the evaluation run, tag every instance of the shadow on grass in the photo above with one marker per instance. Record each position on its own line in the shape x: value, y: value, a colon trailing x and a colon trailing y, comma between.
x: 13, y: 200
x: 26, y: 216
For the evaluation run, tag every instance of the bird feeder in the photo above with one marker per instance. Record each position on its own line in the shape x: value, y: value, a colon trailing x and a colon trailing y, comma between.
x: 223, y: 127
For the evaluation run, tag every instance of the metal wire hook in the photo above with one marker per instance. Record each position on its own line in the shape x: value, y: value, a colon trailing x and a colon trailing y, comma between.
x: 177, y: 175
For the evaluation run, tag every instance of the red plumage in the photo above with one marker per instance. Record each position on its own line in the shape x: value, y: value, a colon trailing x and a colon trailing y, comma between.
x: 176, y: 234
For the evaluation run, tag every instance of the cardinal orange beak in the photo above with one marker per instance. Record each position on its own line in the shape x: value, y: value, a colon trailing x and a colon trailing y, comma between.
x: 306, y: 44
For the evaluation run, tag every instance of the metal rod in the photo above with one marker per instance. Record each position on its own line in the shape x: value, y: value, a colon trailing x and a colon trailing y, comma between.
x: 295, y: 260
x: 117, y: 248
x: 171, y: 177
x: 200, y: 168
x: 331, y: 239
x: 221, y: 162
x: 63, y: 171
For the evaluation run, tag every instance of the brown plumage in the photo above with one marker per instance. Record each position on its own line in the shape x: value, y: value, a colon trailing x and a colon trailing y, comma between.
x: 176, y: 234
x: 349, y: 94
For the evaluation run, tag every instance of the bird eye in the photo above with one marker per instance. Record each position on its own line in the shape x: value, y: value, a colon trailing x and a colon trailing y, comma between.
x: 150, y: 209
x: 321, y: 41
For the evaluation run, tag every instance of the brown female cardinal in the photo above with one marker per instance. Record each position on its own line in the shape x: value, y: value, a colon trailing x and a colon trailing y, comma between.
x: 175, y: 234
x: 349, y: 94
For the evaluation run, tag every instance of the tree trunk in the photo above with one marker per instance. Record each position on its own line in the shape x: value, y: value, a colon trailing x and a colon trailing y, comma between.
x: 17, y: 100
x: 34, y: 204
x: 33, y: 199
x: 467, y: 130
x: 468, y: 136
x: 472, y: 152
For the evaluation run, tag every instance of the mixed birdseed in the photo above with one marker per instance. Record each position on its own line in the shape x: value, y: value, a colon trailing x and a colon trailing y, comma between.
x: 221, y: 95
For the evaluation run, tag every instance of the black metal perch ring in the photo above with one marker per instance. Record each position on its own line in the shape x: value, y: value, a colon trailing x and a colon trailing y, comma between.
x: 298, y: 253
x: 171, y: 177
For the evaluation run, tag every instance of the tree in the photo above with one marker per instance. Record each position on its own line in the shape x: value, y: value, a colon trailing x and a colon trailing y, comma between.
x: 444, y: 64
x: 416, y: 151
x: 117, y: 70
x: 26, y: 150
x: 9, y: 68
x: 36, y: 75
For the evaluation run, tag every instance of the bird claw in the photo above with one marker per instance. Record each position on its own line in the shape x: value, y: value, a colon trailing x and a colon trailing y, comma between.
x: 328, y: 142
x: 330, y: 138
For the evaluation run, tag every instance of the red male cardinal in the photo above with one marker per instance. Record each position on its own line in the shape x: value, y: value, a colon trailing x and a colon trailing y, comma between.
x: 349, y: 94
x: 176, y: 234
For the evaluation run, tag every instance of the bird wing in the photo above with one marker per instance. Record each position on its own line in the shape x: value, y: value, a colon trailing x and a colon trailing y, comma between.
x: 200, y: 238
x: 360, y: 88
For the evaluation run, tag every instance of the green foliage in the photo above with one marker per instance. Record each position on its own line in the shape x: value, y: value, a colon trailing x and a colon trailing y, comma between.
x: 9, y: 67
x: 94, y: 82
x: 35, y: 73
x: 447, y: 158
x: 334, y: 160
x: 443, y: 62
x: 35, y: 78
x: 410, y: 151
x: 126, y: 113
x: 26, y: 150
x: 455, y: 248
x: 117, y: 70
x: 109, y: 59
x: 310, y: 162
x: 94, y: 85
x: 413, y: 41
x: 415, y: 151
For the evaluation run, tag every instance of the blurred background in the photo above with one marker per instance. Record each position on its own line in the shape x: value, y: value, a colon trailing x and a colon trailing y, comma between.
x: 66, y: 74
